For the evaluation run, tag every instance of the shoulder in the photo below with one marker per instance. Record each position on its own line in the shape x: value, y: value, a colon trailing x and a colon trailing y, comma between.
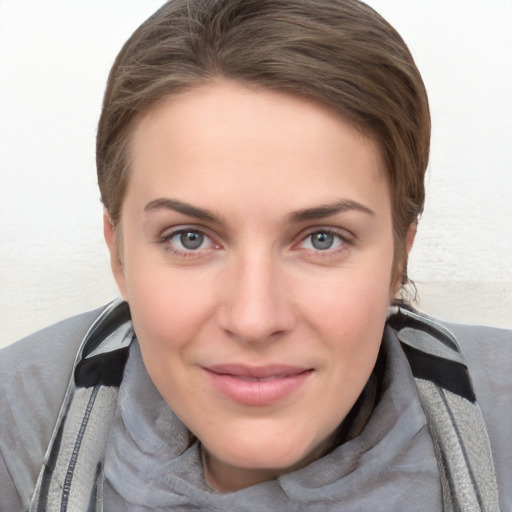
x: 34, y: 376
x: 42, y: 362
x: 478, y: 341
x: 488, y: 353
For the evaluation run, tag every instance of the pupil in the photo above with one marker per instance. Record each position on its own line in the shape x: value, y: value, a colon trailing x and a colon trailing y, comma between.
x: 322, y: 241
x: 192, y: 239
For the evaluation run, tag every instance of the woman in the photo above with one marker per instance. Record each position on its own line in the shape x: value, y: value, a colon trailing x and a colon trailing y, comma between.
x: 261, y: 165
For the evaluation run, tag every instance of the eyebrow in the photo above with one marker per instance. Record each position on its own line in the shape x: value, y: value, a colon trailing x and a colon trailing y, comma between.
x: 164, y: 203
x: 295, y: 217
x: 326, y: 210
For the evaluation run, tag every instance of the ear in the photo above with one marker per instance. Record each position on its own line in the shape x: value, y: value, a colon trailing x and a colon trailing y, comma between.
x: 410, y: 236
x: 114, y: 248
x: 409, y: 242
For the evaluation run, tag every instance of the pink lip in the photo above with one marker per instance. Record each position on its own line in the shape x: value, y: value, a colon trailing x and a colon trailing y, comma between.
x: 263, y: 385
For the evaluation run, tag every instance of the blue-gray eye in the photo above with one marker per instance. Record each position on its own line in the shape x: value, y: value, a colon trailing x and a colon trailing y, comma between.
x: 191, y: 239
x: 322, y: 240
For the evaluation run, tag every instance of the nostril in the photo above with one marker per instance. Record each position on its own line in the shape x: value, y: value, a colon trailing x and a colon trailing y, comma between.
x: 251, y: 324
x: 255, y: 307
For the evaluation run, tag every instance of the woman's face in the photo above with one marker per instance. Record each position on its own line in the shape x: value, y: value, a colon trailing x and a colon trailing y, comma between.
x: 257, y: 255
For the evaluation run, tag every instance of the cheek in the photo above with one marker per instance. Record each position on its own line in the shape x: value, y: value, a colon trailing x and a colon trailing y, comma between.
x: 352, y: 337
x: 168, y: 316
x: 169, y: 308
x: 350, y: 296
x: 349, y: 314
x: 355, y: 323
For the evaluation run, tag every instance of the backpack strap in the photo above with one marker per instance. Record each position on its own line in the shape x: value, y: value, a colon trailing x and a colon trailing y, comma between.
x: 453, y: 416
x: 71, y: 478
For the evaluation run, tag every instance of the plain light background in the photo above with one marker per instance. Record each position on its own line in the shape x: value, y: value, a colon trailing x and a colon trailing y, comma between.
x: 54, y: 60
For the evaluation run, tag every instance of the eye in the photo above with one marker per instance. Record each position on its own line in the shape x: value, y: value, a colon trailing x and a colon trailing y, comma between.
x: 187, y: 240
x: 322, y: 240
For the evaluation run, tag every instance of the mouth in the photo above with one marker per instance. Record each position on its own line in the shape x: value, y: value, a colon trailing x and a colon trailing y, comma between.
x: 257, y: 386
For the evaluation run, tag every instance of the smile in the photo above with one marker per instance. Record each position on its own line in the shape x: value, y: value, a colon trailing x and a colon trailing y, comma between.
x: 257, y: 386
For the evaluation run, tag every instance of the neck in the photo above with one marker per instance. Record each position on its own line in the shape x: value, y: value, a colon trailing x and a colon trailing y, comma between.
x: 224, y: 477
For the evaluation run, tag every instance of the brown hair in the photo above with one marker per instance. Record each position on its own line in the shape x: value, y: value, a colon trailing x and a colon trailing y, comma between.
x: 339, y: 52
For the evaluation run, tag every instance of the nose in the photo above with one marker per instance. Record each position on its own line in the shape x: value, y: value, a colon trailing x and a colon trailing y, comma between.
x: 256, y: 308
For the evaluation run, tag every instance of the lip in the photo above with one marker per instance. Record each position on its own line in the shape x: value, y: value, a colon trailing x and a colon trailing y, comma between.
x: 257, y: 386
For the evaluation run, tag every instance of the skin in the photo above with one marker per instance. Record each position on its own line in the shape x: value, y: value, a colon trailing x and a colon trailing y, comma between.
x: 253, y: 171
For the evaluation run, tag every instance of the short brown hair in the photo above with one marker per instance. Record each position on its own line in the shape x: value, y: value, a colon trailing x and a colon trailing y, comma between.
x: 339, y: 52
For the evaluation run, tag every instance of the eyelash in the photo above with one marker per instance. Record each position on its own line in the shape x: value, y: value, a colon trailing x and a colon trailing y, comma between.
x: 345, y: 241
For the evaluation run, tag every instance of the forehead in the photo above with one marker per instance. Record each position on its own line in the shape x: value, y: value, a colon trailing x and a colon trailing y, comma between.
x: 224, y: 139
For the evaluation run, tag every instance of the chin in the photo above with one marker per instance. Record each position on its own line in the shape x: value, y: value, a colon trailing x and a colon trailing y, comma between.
x: 277, y: 452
